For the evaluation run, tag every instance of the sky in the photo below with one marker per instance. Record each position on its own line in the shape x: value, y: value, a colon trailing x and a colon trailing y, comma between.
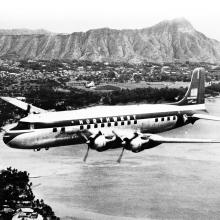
x: 67, y: 16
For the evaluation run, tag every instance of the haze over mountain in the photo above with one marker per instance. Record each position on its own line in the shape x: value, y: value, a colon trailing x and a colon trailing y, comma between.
x: 23, y: 32
x: 168, y: 41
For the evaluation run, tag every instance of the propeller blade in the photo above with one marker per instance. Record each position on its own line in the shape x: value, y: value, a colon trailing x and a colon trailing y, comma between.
x: 86, y: 155
x: 120, y: 156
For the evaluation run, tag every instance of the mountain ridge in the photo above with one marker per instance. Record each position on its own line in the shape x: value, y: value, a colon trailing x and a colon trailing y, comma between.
x: 23, y: 31
x: 167, y: 41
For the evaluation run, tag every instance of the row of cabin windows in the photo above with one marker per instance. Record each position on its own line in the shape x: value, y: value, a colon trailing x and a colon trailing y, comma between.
x: 96, y: 125
x: 109, y: 124
x: 115, y: 124
x: 168, y: 118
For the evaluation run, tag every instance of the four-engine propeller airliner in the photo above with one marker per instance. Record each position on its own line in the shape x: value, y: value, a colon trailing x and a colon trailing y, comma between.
x: 130, y: 127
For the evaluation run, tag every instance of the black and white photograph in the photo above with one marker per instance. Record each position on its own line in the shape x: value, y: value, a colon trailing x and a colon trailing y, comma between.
x: 109, y: 110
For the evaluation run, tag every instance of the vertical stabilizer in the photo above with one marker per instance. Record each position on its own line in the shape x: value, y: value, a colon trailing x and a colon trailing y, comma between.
x: 196, y: 91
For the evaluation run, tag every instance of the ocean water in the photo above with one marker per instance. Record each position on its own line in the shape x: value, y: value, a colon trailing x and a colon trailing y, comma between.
x: 172, y: 181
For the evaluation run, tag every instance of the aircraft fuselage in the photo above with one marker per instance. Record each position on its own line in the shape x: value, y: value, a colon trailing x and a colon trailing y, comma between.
x: 53, y: 129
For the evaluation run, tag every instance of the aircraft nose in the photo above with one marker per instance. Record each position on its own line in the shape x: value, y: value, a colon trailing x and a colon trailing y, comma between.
x: 7, y: 138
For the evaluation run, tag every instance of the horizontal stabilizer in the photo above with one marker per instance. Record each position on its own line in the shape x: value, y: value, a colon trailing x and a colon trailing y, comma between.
x: 160, y: 139
x: 22, y: 105
x: 206, y: 117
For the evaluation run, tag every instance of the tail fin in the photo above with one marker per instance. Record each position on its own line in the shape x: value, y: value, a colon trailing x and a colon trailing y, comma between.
x: 196, y: 91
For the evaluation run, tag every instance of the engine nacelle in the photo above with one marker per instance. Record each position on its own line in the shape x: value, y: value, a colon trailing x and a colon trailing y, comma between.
x: 141, y: 143
x: 102, y: 143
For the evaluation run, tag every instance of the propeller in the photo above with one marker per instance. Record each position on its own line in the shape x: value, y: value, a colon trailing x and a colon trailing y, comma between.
x: 87, y: 141
x: 87, y: 153
x: 121, y: 154
x: 90, y: 142
x: 125, y: 145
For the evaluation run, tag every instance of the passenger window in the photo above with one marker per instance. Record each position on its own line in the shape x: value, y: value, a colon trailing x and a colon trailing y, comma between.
x: 162, y: 119
x: 81, y: 127
x: 116, y: 123
x: 174, y: 117
x: 129, y: 122
x: 88, y: 126
x: 135, y: 122
x: 54, y: 129
x: 62, y: 129
x: 156, y: 119
x: 122, y: 123
x: 168, y: 118
x: 109, y: 124
x: 95, y: 125
x: 102, y: 125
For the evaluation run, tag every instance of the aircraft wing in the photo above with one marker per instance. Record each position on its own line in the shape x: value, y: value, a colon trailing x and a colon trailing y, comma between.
x: 206, y: 117
x: 22, y: 105
x: 161, y: 139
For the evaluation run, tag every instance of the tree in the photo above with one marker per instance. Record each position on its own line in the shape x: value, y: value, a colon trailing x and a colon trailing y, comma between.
x: 15, y: 188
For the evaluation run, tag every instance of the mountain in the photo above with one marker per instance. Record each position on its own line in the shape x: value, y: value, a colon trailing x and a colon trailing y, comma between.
x: 168, y: 41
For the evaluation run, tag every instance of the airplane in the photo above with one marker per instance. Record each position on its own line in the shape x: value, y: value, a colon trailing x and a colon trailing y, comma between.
x: 129, y: 127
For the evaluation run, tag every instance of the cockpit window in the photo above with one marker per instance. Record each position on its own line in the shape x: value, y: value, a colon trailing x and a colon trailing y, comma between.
x: 22, y: 126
